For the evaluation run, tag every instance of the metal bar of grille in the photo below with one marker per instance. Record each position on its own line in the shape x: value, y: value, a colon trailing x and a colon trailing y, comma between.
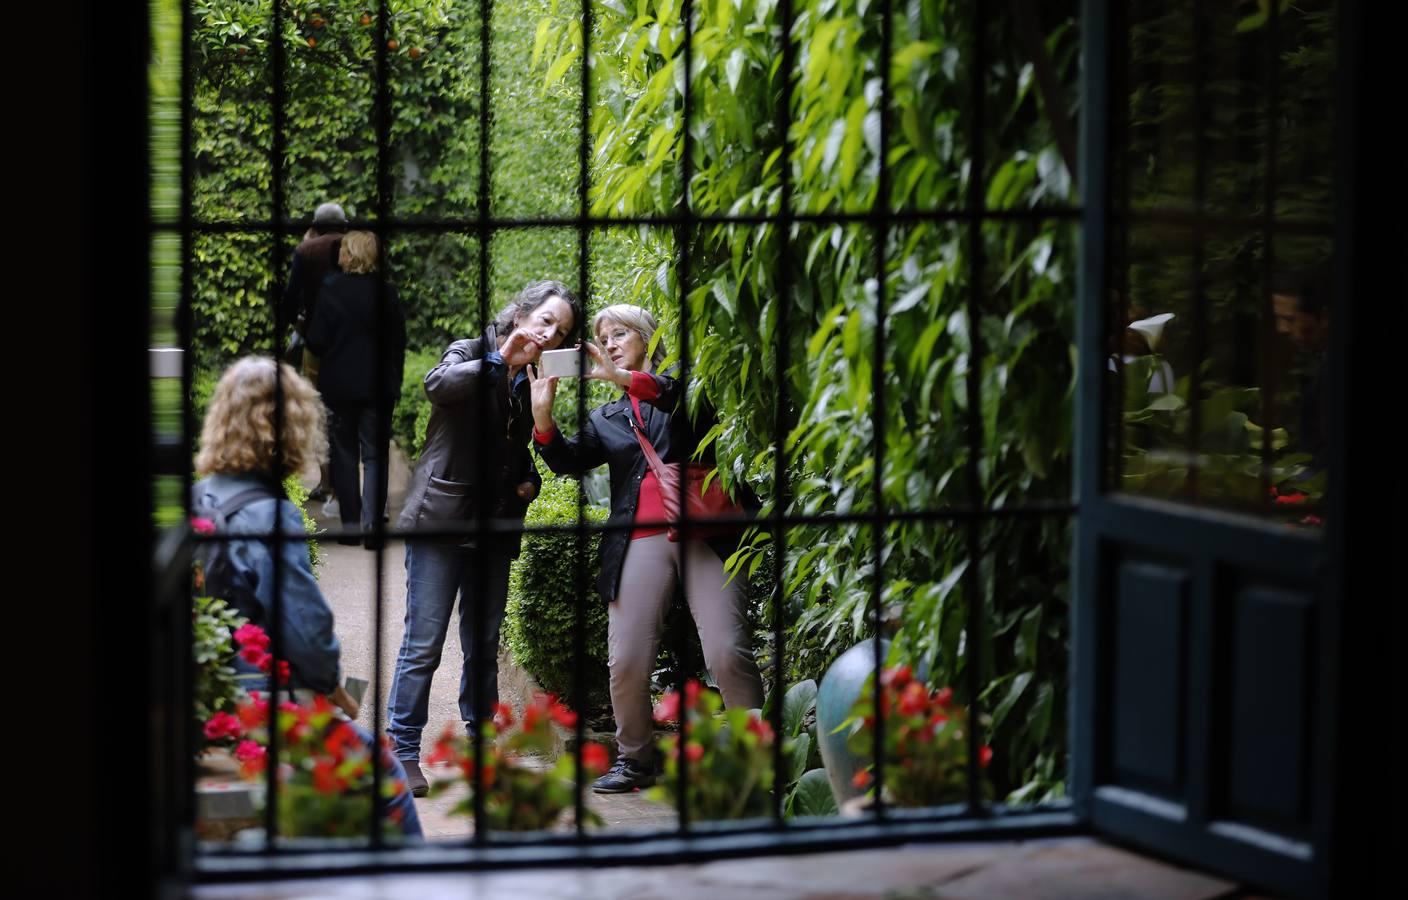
x: 1200, y: 179
x: 1268, y: 242
x: 383, y: 423
x: 782, y: 424
x: 882, y: 218
x: 1033, y: 510
x: 579, y: 574
x: 450, y: 225
x: 276, y: 261
x: 977, y: 172
x: 478, y: 557
x: 684, y: 236
x: 185, y: 327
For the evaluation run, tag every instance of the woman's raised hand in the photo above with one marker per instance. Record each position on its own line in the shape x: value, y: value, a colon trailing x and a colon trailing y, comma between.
x: 543, y: 390
x: 604, y: 368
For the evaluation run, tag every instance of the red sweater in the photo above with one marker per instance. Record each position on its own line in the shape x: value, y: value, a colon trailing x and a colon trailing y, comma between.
x: 649, y: 507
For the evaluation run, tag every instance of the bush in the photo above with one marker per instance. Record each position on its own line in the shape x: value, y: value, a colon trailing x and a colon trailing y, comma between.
x: 541, y: 617
x: 413, y: 408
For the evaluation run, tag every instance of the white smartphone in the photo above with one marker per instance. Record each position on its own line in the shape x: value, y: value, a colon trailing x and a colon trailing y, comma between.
x: 562, y: 363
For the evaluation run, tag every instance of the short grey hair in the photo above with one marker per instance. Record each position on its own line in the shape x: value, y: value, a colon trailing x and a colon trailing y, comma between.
x: 636, y: 318
x: 329, y: 214
x: 534, y: 296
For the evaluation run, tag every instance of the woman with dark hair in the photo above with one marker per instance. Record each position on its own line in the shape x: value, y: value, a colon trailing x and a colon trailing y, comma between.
x: 641, y: 567
x: 479, y: 428
x: 358, y: 332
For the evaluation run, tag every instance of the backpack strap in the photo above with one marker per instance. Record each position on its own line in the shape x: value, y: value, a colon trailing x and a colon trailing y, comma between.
x: 232, y: 505
x: 244, y: 498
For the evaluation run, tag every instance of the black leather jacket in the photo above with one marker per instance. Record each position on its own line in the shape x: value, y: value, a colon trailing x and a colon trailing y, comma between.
x: 473, y: 412
x: 607, y: 438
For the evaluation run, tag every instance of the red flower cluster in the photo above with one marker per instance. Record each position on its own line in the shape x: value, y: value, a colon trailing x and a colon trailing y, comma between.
x: 222, y: 725
x: 926, y: 742
x: 728, y: 754
x: 518, y: 796
x: 325, y: 769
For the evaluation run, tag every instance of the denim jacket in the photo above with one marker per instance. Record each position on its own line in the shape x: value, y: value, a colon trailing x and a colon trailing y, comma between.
x: 309, y: 643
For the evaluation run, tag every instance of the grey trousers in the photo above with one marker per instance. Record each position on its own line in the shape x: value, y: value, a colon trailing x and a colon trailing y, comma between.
x: 636, y: 619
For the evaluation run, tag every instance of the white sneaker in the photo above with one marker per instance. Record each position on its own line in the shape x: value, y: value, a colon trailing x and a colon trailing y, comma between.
x: 330, y: 509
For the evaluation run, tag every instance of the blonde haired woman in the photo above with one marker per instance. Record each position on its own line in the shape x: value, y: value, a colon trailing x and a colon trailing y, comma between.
x: 641, y: 567
x: 243, y: 476
x: 359, y: 334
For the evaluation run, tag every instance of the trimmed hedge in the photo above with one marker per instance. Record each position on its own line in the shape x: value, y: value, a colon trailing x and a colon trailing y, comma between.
x: 540, y: 619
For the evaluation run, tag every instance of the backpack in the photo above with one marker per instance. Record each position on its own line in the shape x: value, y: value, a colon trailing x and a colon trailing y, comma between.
x: 214, y: 558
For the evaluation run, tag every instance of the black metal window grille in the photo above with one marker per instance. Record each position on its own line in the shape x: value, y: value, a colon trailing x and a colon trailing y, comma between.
x: 691, y: 838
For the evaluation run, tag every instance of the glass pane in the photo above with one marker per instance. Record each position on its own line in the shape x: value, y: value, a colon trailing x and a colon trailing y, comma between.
x: 536, y: 126
x: 1221, y: 320
x: 1031, y: 105
x: 928, y: 351
x: 1028, y: 386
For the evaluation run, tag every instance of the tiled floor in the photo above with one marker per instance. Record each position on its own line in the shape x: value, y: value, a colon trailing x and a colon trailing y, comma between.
x: 1038, y: 870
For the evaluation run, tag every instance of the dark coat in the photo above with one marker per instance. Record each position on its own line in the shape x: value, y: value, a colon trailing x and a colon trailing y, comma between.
x: 314, y: 259
x: 607, y: 438
x: 354, y: 344
x: 479, y: 427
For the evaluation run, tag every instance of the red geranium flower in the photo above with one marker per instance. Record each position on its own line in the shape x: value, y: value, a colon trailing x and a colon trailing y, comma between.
x: 248, y: 635
x: 761, y: 727
x: 897, y: 676
x: 914, y: 700
x: 253, y: 655
x: 202, y: 526
x: 984, y: 756
x: 254, y: 713
x: 340, y: 740
x: 222, y: 725
x: 326, y: 779
x: 503, y: 715
x: 594, y: 758
x: 694, y: 751
x: 252, y: 758
x: 692, y: 688
x: 668, y: 709
x: 563, y: 716
x: 861, y: 779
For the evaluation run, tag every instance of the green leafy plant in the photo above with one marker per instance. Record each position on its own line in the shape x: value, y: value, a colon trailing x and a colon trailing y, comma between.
x: 729, y: 755
x: 925, y: 741
x: 325, y: 768
x: 213, y: 649
x: 521, y: 791
x: 540, y: 618
x: 1019, y: 349
x: 806, y: 791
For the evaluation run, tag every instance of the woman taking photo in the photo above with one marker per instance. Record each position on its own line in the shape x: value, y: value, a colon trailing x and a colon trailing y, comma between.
x: 641, y: 567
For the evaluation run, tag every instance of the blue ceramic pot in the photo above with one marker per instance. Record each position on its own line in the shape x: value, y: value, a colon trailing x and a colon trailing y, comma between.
x: 839, y: 689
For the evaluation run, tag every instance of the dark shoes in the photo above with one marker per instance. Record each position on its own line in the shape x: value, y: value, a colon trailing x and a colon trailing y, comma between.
x: 415, y: 779
x: 318, y: 493
x: 624, y: 775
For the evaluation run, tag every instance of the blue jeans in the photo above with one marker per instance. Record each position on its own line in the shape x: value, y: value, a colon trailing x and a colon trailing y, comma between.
x: 435, y: 575
x: 410, y: 821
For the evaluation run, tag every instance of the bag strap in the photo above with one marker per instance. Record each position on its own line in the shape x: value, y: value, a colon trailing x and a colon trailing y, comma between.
x: 651, y: 457
x: 239, y: 501
x: 244, y: 498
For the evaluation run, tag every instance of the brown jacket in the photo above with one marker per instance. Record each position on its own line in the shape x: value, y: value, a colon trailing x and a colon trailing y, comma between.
x: 313, y: 260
